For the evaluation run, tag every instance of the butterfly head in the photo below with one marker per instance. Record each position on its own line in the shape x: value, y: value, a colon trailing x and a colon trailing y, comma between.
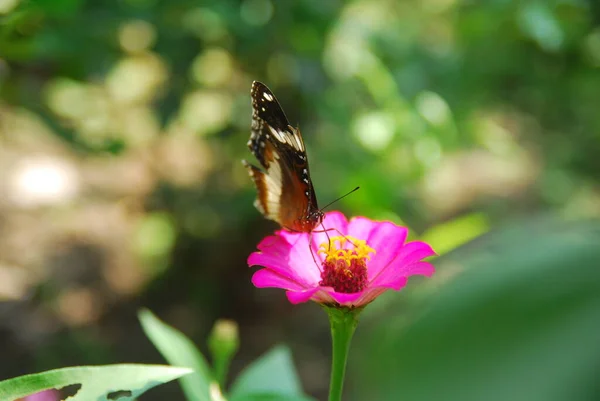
x: 308, y: 222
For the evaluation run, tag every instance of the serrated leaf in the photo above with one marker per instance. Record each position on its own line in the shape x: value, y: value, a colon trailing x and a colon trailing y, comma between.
x: 179, y: 350
x: 273, y: 373
x: 97, y: 382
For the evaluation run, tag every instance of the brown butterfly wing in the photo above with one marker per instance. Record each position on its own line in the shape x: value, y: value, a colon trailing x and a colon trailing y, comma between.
x: 285, y: 191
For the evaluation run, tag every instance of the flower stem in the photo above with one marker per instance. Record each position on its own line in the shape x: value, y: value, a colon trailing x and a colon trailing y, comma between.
x: 343, y: 323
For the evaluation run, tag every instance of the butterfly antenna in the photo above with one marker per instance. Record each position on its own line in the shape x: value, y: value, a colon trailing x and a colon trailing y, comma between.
x: 325, y: 230
x: 340, y: 198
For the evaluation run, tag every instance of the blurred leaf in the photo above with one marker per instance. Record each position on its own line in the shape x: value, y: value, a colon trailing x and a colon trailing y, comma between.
x: 97, y: 382
x: 447, y: 236
x: 270, y: 397
x: 522, y: 325
x: 273, y: 372
x: 177, y: 349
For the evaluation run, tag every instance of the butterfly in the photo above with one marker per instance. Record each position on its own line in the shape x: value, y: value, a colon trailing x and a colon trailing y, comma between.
x: 285, y: 191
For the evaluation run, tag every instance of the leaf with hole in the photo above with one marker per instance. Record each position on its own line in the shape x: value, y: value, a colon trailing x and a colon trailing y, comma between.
x: 123, y: 382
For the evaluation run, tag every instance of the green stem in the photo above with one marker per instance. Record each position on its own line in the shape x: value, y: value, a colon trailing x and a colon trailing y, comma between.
x: 220, y: 368
x: 343, y: 323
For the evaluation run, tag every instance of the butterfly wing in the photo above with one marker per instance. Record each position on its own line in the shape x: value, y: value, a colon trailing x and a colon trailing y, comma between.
x: 285, y: 191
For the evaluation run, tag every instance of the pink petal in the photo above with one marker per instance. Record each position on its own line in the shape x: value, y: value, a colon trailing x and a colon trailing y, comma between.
x: 407, y: 263
x: 392, y: 275
x: 390, y: 280
x: 291, y: 237
x: 282, y: 267
x: 297, y: 297
x: 274, y: 244
x: 264, y: 278
x: 336, y: 220
x: 370, y: 294
x: 387, y: 240
x: 361, y: 227
x: 413, y: 252
x: 305, y: 261
x: 345, y: 299
x: 270, y: 261
x: 420, y: 268
x: 288, y: 254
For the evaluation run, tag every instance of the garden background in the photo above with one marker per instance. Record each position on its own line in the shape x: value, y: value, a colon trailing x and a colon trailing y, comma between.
x: 122, y: 127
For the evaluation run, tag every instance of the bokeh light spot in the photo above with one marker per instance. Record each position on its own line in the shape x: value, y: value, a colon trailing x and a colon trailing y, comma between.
x: 79, y: 306
x: 214, y: 67
x: 7, y: 6
x: 136, y: 79
x: 537, y: 21
x: 14, y: 282
x: 43, y: 181
x: 343, y: 57
x: 206, y: 112
x: 374, y: 131
x: 205, y: 24
x: 433, y: 108
x: 155, y: 236
x: 136, y: 36
x: 256, y: 12
x: 67, y: 98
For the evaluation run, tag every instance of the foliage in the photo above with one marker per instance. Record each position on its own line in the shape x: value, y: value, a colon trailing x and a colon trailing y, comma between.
x: 271, y: 377
x: 123, y: 382
x: 518, y: 320
x: 122, y: 125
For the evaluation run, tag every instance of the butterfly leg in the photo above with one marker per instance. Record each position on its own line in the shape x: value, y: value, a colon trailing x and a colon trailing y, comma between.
x: 312, y: 253
x: 326, y: 231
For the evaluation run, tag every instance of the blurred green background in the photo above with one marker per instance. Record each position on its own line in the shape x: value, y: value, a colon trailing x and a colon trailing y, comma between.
x: 122, y: 127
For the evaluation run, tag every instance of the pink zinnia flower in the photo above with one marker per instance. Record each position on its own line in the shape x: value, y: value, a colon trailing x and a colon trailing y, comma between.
x: 359, y: 261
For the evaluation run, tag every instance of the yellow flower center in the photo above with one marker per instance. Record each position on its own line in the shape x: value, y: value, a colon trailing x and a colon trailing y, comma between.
x: 345, y: 267
x: 335, y: 249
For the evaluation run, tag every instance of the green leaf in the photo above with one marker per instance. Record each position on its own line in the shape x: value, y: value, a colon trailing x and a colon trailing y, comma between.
x: 273, y: 372
x: 520, y: 323
x: 270, y: 397
x: 177, y: 349
x: 97, y: 382
x: 448, y: 235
